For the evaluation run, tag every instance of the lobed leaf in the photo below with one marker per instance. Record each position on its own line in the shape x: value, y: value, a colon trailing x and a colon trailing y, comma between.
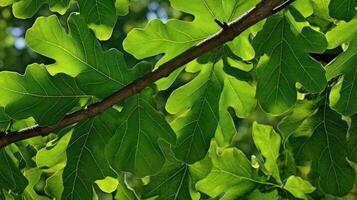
x: 284, y: 46
x: 22, y: 95
x: 231, y: 173
x: 175, y: 36
x: 100, y: 15
x: 298, y: 187
x: 78, y: 54
x: 134, y: 146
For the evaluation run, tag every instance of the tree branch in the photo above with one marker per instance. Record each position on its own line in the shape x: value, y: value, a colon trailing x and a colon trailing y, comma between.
x: 263, y: 10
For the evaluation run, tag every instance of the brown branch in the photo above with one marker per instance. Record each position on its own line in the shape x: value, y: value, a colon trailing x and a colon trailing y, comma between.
x: 263, y: 10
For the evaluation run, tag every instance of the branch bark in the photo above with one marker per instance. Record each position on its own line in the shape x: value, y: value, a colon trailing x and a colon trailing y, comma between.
x: 261, y: 11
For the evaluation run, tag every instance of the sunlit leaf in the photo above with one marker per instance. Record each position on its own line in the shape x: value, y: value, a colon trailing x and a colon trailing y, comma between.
x: 231, y: 174
x: 37, y: 94
x: 79, y: 54
x: 268, y: 143
x: 298, y: 187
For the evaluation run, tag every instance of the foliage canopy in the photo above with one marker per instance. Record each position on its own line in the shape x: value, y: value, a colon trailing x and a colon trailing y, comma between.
x: 271, y: 114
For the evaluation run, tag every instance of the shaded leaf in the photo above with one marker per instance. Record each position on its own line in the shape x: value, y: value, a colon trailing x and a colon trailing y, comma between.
x: 342, y: 9
x: 11, y: 177
x: 195, y: 128
x: 86, y: 162
x: 328, y: 148
x: 352, y: 140
x: 285, y: 61
x: 134, y: 147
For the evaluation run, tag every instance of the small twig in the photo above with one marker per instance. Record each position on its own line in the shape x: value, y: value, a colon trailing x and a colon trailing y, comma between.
x: 223, y: 25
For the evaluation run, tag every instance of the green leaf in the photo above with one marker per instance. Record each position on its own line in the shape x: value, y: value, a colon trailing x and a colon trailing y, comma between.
x: 338, y: 35
x: 231, y: 174
x: 108, y: 184
x: 4, y: 120
x: 352, y: 140
x: 100, y: 15
x: 33, y: 176
x: 123, y: 192
x: 238, y: 95
x: 176, y: 180
x: 22, y: 95
x: 290, y: 124
x: 86, y: 162
x: 328, y: 148
x: 27, y: 8
x: 122, y: 7
x: 134, y: 147
x: 343, y: 9
x: 78, y: 54
x: 54, y: 185
x: 284, y: 46
x: 53, y: 154
x: 298, y: 187
x: 171, y: 183
x: 6, y: 2
x: 321, y: 9
x: 268, y: 142
x: 257, y: 195
x: 196, y: 127
x: 175, y: 36
x: 343, y: 96
x: 11, y: 177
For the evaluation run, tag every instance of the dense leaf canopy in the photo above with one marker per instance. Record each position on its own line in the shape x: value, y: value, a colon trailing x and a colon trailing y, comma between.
x: 270, y: 113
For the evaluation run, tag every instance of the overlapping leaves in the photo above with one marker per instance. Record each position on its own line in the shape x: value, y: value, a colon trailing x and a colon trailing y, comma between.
x: 326, y: 146
x: 100, y: 15
x: 176, y: 36
x: 78, y: 54
x: 51, y: 97
x: 86, y: 161
x: 343, y: 98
